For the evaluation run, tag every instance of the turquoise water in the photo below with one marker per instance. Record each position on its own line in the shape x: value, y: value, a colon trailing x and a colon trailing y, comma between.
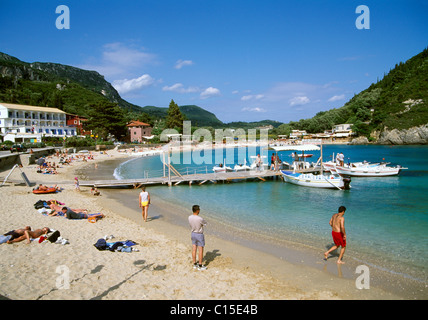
x: 386, y: 217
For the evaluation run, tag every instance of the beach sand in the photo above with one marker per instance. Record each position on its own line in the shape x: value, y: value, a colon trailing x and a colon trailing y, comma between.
x: 160, y: 270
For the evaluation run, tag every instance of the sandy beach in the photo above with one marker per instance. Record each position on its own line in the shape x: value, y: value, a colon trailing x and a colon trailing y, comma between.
x: 161, y: 269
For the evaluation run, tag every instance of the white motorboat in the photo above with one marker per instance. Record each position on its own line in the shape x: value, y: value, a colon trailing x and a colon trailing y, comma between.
x: 325, y: 178
x: 369, y: 170
x: 242, y: 167
x: 329, y: 181
x: 222, y: 168
x: 331, y: 165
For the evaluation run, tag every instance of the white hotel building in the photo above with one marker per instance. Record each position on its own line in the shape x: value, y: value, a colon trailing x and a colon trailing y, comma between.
x: 21, y: 123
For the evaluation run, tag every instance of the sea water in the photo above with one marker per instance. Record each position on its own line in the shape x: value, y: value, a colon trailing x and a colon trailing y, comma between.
x: 386, y: 218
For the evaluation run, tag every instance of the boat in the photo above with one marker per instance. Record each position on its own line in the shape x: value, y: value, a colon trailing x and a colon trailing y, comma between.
x: 242, y: 167
x: 300, y: 160
x: 222, y: 168
x: 329, y: 181
x: 363, y: 169
x: 318, y: 177
x: 368, y: 170
x: 331, y: 165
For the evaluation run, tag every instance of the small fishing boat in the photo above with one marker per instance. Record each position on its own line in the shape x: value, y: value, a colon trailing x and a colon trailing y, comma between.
x: 369, y: 170
x: 329, y: 181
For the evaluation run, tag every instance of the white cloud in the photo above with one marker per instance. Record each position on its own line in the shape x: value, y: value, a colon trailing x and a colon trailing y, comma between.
x: 182, y: 63
x: 210, y: 92
x: 125, y: 85
x: 337, y: 98
x: 252, y: 97
x: 117, y: 59
x: 298, y: 101
x: 178, y: 87
x: 256, y: 109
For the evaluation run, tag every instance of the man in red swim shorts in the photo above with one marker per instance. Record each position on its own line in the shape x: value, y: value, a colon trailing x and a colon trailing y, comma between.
x: 337, y: 223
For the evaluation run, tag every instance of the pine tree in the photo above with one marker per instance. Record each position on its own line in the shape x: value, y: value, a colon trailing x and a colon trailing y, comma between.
x: 107, y: 118
x: 174, y: 119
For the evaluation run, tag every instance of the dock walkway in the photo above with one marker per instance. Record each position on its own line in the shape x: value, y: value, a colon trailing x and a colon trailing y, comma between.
x: 189, y: 179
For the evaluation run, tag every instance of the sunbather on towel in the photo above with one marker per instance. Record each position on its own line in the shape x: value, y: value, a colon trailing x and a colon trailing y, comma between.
x: 70, y: 214
x: 30, y: 235
x: 57, y: 209
x: 11, y: 235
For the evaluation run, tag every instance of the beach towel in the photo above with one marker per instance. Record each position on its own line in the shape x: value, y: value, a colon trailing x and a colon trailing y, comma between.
x: 122, y: 246
x: 4, y: 239
x: 45, y: 211
x: 92, y: 217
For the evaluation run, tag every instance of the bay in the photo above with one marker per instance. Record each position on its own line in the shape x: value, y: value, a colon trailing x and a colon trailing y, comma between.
x: 386, y: 217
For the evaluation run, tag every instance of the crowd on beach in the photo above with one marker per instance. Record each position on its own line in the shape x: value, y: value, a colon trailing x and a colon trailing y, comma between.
x: 50, y: 167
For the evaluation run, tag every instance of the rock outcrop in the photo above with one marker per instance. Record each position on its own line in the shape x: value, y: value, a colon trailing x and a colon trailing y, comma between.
x: 415, y: 135
x: 360, y: 140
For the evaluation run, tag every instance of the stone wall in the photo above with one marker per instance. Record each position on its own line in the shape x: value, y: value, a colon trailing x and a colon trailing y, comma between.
x: 24, y: 159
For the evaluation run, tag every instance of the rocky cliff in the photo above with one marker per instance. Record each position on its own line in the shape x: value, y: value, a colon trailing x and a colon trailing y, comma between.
x: 414, y: 135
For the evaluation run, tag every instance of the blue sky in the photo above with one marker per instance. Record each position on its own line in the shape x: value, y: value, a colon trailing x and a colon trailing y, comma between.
x: 242, y: 60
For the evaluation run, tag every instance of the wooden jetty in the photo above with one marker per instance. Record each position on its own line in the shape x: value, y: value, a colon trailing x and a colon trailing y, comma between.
x: 177, y: 178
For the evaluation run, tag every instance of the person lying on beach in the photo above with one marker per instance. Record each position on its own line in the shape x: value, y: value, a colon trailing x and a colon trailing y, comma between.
x: 30, y: 235
x: 70, y: 214
x: 41, y: 187
x: 57, y: 209
x: 16, y: 233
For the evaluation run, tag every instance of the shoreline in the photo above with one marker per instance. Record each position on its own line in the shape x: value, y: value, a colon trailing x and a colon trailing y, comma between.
x: 297, y: 254
x: 151, y: 273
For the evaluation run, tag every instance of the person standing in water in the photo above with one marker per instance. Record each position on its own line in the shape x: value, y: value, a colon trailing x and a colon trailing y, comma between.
x: 144, y: 200
x: 337, y: 223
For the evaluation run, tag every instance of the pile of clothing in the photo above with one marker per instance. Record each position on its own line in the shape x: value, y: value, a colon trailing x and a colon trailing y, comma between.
x: 53, y: 236
x: 121, y: 246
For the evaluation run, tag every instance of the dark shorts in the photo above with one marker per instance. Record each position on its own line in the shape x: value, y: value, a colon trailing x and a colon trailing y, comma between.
x: 198, y: 239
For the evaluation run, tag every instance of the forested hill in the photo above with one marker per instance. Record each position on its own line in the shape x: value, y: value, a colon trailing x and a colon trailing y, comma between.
x: 55, y: 85
x: 199, y: 117
x: 398, y: 101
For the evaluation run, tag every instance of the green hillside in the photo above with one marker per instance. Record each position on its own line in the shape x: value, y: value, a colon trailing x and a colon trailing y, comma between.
x: 55, y: 85
x: 199, y: 117
x: 399, y: 100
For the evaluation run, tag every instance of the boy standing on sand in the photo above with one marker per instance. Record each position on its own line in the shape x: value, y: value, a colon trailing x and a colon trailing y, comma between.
x: 198, y: 240
x: 337, y: 223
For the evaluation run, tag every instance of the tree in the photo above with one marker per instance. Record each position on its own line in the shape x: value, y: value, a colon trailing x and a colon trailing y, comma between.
x: 106, y: 118
x: 174, y: 118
